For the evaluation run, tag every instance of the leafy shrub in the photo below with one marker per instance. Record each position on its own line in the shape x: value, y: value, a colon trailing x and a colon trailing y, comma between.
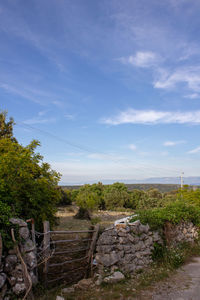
x: 83, y: 214
x: 116, y: 195
x: 66, y: 197
x: 174, y: 213
x: 28, y: 187
x: 158, y: 251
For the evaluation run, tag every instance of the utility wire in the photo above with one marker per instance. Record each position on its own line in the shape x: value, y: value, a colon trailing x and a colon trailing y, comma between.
x: 90, y: 150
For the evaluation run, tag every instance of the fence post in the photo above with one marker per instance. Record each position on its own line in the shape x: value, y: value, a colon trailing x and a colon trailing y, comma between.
x: 92, y: 247
x: 46, y: 249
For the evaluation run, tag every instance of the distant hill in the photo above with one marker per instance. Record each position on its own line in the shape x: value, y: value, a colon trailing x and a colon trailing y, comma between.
x: 163, y: 188
x: 192, y: 180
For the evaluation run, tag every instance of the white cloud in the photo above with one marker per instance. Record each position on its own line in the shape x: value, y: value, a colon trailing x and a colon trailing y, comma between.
x: 141, y: 59
x: 133, y: 116
x: 196, y: 150
x: 189, y: 76
x: 172, y: 143
x: 132, y: 147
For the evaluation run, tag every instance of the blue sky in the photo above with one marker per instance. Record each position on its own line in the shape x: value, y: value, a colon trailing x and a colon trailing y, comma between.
x: 111, y: 89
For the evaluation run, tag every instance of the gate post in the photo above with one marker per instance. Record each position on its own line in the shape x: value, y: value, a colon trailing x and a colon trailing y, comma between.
x: 92, y: 247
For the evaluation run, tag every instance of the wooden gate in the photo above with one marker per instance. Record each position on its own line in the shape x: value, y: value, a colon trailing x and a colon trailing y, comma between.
x: 68, y: 254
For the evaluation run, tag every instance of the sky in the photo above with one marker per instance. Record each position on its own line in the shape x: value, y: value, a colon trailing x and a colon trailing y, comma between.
x: 111, y: 89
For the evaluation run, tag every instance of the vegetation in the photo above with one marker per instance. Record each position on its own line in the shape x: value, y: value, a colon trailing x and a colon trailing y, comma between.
x: 28, y: 186
x: 173, y: 212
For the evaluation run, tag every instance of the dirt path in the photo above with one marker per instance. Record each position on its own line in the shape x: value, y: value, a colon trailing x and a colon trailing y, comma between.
x: 183, y: 285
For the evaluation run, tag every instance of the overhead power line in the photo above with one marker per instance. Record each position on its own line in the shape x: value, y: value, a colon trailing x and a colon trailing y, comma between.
x: 92, y: 151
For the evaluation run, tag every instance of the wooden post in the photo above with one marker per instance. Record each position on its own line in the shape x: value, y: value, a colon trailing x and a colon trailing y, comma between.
x: 46, y: 249
x: 34, y: 242
x: 92, y: 247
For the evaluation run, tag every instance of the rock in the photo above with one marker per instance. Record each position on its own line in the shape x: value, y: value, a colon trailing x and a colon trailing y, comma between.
x: 99, y: 280
x: 131, y: 238
x: 68, y: 290
x: 115, y: 277
x: 2, y: 279
x: 10, y: 263
x: 122, y: 233
x: 83, y: 284
x: 105, y: 249
x: 108, y: 259
x: 24, y: 232
x: 60, y: 298
x: 136, y: 223
x: 30, y: 259
x: 19, y: 288
x: 156, y: 236
x: 107, y: 239
x: 12, y: 280
x: 33, y: 278
x: 19, y: 222
x: 143, y: 228
x: 28, y: 246
x: 123, y: 240
x: 3, y: 292
x: 127, y: 248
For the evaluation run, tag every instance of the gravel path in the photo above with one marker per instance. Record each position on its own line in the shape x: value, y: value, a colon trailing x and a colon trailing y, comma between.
x: 183, y: 285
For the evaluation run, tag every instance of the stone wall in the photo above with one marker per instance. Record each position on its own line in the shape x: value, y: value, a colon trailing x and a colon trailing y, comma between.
x: 11, y: 270
x: 128, y: 247
x: 183, y: 232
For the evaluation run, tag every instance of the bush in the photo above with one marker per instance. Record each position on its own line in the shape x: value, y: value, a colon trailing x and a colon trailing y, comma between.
x: 28, y: 187
x: 116, y: 195
x: 174, y: 213
x: 66, y: 197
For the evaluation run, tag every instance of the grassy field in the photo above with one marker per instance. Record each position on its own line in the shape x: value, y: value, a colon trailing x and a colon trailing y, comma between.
x: 66, y: 220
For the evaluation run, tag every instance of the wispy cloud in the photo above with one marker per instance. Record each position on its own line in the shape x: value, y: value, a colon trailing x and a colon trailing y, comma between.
x: 194, y: 151
x: 70, y: 116
x: 172, y: 143
x: 32, y: 94
x: 141, y: 59
x: 189, y: 76
x: 133, y: 116
x: 106, y: 156
x: 192, y: 96
x: 39, y: 121
x: 132, y: 147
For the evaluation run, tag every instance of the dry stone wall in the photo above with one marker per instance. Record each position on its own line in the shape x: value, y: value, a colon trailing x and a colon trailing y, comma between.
x: 11, y: 270
x: 128, y: 247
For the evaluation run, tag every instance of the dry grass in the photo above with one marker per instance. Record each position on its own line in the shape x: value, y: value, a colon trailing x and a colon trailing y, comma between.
x: 67, y: 221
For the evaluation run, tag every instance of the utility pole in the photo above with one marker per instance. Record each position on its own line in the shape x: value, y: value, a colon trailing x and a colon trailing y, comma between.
x: 182, y: 180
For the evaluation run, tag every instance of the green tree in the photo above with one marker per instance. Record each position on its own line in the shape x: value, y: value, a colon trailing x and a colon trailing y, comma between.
x: 28, y: 186
x: 88, y: 197
x: 136, y: 196
x: 116, y: 195
x: 6, y: 127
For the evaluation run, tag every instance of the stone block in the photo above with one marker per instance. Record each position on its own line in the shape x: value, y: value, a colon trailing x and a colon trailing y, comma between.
x: 115, y: 277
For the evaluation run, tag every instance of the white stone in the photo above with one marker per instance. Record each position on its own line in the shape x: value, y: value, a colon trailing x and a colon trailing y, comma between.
x: 115, y: 277
x: 60, y: 298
